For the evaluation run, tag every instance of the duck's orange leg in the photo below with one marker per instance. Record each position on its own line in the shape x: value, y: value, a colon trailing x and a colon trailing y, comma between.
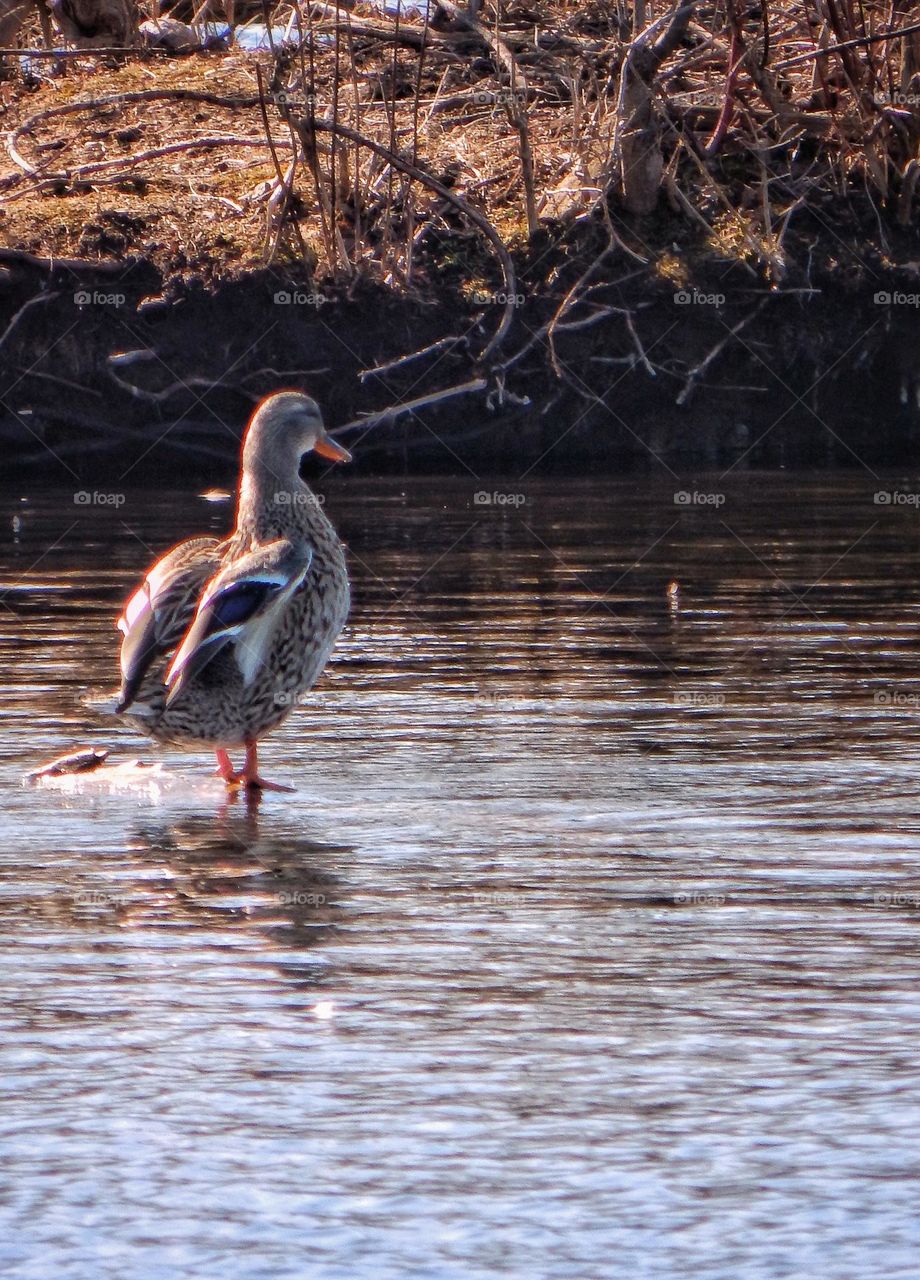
x: 225, y: 766
x: 249, y: 777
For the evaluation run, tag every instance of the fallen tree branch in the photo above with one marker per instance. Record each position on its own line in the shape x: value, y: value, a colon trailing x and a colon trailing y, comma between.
x: 80, y: 448
x: 141, y: 157
x: 75, y: 265
x: 416, y: 37
x: 433, y: 348
x: 115, y: 100
x: 878, y: 38
x: 394, y: 411
x: 643, y: 358
x: 736, y: 58
x: 26, y: 306
x: 698, y: 370
x: 174, y: 388
x: 88, y: 52
x: 572, y: 297
x: 59, y: 381
x: 272, y: 372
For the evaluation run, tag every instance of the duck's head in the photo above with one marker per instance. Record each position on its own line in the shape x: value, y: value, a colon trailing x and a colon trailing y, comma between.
x: 284, y: 427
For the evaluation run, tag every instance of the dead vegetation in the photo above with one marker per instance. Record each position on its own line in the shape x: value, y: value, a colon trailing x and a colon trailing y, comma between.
x: 536, y: 112
x: 471, y: 143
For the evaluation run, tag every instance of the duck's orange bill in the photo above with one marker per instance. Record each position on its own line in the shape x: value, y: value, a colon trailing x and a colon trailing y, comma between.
x: 328, y: 448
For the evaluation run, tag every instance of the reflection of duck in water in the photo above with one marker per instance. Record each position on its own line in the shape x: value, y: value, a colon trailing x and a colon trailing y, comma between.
x: 236, y: 872
x: 222, y: 638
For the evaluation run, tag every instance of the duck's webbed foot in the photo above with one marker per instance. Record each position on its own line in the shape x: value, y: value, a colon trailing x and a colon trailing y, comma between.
x: 262, y: 784
x: 248, y: 776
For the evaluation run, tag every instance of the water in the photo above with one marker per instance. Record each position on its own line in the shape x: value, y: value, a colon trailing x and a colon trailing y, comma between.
x: 588, y: 943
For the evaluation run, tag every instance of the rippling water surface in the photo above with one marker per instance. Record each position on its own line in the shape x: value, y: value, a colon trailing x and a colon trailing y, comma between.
x: 587, y: 945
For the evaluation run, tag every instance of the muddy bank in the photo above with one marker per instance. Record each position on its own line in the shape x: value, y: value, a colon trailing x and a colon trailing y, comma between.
x: 108, y: 372
x: 568, y: 242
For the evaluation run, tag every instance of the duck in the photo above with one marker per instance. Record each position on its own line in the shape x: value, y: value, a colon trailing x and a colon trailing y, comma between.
x: 224, y: 636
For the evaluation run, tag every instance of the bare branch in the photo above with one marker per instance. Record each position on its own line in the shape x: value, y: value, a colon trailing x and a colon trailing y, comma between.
x: 389, y: 415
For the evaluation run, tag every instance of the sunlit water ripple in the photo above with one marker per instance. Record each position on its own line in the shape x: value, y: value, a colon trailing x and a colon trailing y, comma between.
x: 588, y: 944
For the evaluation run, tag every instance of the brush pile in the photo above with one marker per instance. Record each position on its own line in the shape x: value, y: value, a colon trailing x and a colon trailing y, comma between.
x: 507, y: 153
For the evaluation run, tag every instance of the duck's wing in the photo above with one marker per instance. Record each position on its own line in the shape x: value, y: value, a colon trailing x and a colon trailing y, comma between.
x: 158, y: 614
x: 240, y: 606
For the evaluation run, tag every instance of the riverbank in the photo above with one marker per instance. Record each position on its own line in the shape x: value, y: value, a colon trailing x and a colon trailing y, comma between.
x: 116, y: 367
x: 402, y: 225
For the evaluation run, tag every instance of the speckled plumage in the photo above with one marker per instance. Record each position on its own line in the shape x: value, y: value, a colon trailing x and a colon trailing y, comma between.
x: 258, y: 613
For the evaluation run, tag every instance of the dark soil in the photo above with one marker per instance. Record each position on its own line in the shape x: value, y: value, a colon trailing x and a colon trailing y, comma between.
x: 139, y: 323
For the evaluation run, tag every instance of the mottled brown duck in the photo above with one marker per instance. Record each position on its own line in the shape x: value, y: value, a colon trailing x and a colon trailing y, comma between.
x: 222, y: 638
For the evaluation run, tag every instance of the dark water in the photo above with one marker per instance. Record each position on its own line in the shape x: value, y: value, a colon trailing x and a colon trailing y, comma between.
x: 588, y: 945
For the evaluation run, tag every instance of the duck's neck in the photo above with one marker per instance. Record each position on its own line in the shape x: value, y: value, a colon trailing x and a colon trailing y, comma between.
x: 270, y: 460
x: 273, y: 501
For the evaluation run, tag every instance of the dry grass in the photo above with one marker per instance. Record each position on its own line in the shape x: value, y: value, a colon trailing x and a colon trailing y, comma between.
x: 523, y: 115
